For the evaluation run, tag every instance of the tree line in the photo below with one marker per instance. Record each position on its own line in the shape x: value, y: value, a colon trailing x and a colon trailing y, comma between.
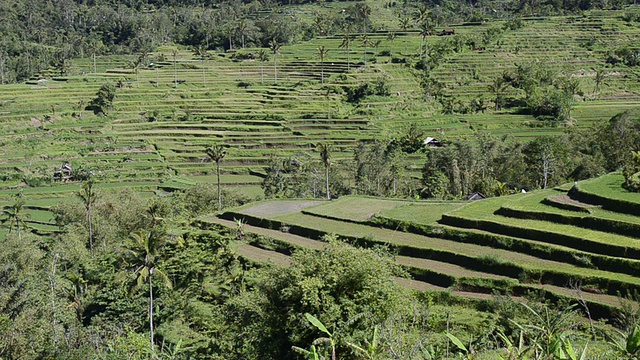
x: 482, y: 163
x: 38, y: 34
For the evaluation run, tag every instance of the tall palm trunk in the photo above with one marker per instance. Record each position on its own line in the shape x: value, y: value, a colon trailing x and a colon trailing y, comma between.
x: 151, y: 307
x: 275, y: 69
x: 90, y: 229
x: 326, y: 176
x: 219, y: 191
x: 204, y: 78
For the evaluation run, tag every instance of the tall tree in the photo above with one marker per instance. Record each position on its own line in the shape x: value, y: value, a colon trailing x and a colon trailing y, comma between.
x: 201, y: 52
x: 88, y: 196
x: 498, y: 87
x: 365, y: 42
x: 217, y: 153
x: 143, y: 252
x: 174, y: 52
x: 426, y: 29
x: 275, y: 46
x: 14, y: 215
x: 325, y: 157
x: 391, y: 37
x: 599, y: 78
x: 322, y: 53
x: 263, y: 57
x: 346, y: 44
x: 404, y: 24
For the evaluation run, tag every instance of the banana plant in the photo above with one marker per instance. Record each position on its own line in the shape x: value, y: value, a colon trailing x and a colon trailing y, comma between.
x: 628, y: 344
x: 318, y: 324
x: 311, y: 354
x: 370, y: 349
x: 466, y: 353
x: 514, y: 351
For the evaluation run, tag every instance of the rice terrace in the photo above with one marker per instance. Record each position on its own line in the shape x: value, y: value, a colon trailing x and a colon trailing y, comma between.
x: 320, y: 180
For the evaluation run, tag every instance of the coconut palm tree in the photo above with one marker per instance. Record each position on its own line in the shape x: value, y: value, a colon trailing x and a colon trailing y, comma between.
x: 325, y: 156
x: 143, y: 252
x: 275, y: 46
x: 263, y: 57
x: 404, y: 24
x: 322, y: 52
x: 217, y: 153
x: 174, y: 52
x: 391, y: 37
x: 14, y: 216
x: 365, y: 42
x: 200, y: 51
x: 426, y: 29
x: 88, y: 196
x: 498, y: 87
x: 346, y: 44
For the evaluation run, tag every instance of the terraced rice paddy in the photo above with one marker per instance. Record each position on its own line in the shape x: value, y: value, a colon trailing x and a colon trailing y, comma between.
x: 167, y: 112
x: 438, y: 245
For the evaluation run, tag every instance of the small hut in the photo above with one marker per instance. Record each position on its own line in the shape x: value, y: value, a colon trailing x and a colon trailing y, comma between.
x: 432, y: 142
x: 475, y: 196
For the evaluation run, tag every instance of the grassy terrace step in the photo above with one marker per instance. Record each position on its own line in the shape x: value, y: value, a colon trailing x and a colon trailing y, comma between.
x: 439, y: 274
x: 595, y: 218
x: 607, y: 191
x: 481, y: 215
x: 471, y: 256
x: 421, y: 218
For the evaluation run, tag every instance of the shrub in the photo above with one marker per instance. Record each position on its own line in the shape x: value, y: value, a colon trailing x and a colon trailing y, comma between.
x: 103, y: 101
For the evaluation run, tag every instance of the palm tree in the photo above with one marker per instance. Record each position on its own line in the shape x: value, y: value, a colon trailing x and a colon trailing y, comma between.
x: 144, y: 249
x: 376, y: 45
x: 426, y: 29
x: 365, y: 42
x: 327, y: 95
x: 242, y: 29
x: 599, y: 78
x: 15, y: 217
x: 322, y: 52
x: 391, y: 37
x: 88, y: 196
x: 325, y: 156
x: 95, y: 46
x: 263, y: 57
x: 174, y: 52
x: 422, y: 13
x: 136, y: 65
x: 346, y: 44
x: 404, y: 24
x: 497, y: 87
x: 216, y: 153
x: 201, y: 52
x: 275, y: 46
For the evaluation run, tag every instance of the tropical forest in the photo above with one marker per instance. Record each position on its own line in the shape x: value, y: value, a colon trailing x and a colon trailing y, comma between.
x: 320, y: 179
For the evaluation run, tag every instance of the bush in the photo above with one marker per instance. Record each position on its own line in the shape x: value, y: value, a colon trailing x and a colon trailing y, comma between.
x: 103, y: 101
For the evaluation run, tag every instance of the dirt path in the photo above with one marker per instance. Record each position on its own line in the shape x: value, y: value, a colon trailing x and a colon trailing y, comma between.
x: 445, y: 268
x: 565, y: 199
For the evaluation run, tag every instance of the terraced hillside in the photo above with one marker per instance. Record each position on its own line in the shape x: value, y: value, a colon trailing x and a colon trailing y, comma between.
x: 167, y: 110
x: 556, y: 243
